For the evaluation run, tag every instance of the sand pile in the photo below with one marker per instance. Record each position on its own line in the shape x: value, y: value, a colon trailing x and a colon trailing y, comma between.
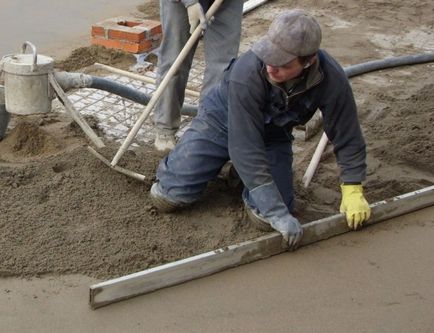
x: 63, y: 211
x: 27, y: 139
x: 69, y: 213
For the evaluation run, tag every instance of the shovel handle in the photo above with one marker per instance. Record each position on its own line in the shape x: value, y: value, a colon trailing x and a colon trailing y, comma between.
x: 157, y: 94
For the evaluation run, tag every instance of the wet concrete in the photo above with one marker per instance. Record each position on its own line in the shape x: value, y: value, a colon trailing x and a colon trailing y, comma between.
x: 378, y: 279
x: 56, y: 27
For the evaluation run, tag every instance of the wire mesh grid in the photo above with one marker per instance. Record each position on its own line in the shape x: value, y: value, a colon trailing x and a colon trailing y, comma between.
x: 117, y: 115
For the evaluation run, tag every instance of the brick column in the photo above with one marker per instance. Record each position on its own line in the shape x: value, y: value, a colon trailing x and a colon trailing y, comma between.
x: 128, y: 34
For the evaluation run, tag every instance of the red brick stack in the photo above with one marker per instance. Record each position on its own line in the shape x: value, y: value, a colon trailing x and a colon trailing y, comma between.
x: 128, y: 34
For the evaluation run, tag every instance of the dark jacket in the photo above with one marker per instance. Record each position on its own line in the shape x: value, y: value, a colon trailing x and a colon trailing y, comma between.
x: 253, y: 104
x: 205, y: 3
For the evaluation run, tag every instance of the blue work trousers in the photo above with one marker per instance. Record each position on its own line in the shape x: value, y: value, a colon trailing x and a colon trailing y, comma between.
x: 203, y: 150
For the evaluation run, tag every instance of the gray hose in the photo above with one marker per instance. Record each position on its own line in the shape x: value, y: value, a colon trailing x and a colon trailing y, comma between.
x: 363, y: 68
x: 77, y: 80
x: 371, y: 66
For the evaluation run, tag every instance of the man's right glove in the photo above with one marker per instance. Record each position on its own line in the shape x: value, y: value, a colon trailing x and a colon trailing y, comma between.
x: 354, y: 205
x: 196, y: 16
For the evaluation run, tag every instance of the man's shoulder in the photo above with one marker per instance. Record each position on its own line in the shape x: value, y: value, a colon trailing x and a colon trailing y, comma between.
x: 335, y: 77
x: 247, y: 67
x: 330, y: 66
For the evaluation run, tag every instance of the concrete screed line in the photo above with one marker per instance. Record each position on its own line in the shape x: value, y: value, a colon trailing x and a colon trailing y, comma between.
x: 201, y: 265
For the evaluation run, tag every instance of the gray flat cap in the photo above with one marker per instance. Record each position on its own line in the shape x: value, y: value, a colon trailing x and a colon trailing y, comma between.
x: 292, y: 34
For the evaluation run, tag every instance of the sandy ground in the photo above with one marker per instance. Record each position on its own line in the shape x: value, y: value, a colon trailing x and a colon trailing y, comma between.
x: 64, y: 213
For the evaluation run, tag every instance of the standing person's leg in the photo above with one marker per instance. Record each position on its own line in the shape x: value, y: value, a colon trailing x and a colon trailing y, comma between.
x: 167, y: 112
x: 221, y: 42
x: 183, y: 175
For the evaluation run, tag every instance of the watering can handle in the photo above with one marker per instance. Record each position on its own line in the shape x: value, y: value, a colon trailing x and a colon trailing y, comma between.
x: 35, y: 55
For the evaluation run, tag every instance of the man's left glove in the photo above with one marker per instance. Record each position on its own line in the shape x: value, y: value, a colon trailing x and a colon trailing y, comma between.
x: 269, y: 208
x: 196, y: 16
x: 354, y: 205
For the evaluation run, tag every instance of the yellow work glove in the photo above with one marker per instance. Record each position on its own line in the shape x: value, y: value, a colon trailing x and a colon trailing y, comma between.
x: 354, y: 205
x: 196, y: 16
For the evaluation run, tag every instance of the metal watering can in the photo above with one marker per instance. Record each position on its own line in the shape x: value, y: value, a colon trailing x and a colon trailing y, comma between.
x: 27, y: 89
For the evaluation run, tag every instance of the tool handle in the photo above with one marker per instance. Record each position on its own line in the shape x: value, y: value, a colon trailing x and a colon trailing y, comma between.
x: 157, y: 94
x: 310, y: 171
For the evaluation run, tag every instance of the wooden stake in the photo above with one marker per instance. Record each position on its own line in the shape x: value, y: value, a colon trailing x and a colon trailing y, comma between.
x: 126, y: 172
x: 252, y: 4
x: 313, y: 164
x: 170, y: 274
x: 96, y: 140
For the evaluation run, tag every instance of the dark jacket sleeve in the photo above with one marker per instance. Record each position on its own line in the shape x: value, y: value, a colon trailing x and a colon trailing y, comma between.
x: 246, y: 131
x: 342, y: 126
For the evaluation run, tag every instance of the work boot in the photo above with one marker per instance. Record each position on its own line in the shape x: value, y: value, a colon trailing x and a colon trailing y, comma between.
x: 164, y: 141
x: 257, y: 219
x: 162, y: 203
x: 230, y: 175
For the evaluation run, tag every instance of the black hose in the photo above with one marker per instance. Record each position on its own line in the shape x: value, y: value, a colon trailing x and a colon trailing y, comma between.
x: 191, y: 110
x: 119, y: 89
x: 371, y: 66
x: 131, y: 93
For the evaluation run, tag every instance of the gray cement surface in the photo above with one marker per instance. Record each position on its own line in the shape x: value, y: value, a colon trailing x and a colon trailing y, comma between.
x: 350, y: 283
